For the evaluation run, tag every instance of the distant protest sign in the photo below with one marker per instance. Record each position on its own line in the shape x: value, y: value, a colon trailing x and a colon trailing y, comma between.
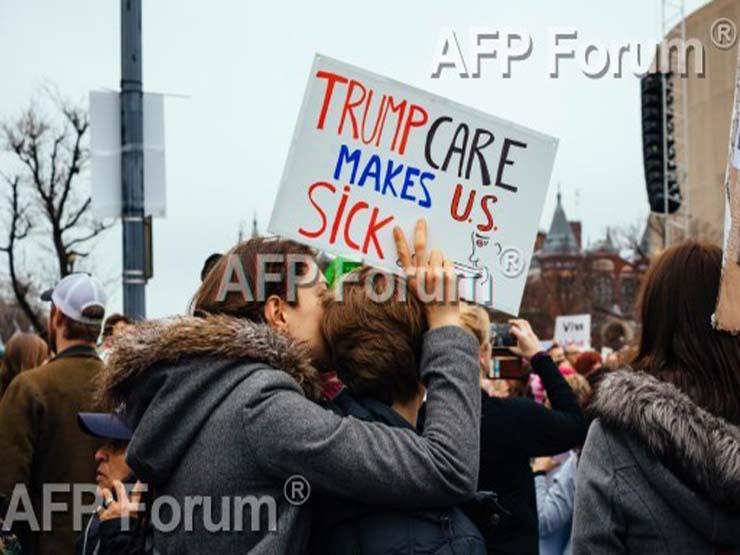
x: 727, y: 313
x: 574, y: 329
x: 370, y: 153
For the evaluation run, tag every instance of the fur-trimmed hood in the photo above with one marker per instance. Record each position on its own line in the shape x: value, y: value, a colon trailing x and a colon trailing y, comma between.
x: 702, y: 450
x: 172, y: 376
x: 150, y: 344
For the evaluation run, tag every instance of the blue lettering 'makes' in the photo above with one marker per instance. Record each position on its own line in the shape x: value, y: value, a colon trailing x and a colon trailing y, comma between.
x: 410, y: 183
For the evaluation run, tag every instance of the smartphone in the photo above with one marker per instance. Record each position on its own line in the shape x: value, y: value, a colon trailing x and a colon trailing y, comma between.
x: 505, y: 365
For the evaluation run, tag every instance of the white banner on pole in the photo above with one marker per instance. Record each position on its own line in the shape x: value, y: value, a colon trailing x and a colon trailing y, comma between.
x: 105, y: 150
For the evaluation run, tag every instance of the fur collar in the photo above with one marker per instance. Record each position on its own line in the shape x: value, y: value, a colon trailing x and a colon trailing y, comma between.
x: 702, y: 448
x: 153, y: 342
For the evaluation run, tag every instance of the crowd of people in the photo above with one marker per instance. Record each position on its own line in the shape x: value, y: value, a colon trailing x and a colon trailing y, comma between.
x: 316, y: 418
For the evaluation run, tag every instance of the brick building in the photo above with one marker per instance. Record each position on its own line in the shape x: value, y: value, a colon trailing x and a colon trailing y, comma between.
x: 566, y: 278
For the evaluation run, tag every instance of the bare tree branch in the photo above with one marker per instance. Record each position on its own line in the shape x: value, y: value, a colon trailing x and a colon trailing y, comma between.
x: 48, y: 202
x: 18, y: 230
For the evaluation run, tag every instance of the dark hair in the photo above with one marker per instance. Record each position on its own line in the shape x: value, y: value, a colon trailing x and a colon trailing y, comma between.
x: 246, y: 255
x: 678, y: 343
x: 22, y: 352
x: 84, y: 332
x: 209, y: 263
x: 111, y: 321
x: 375, y: 347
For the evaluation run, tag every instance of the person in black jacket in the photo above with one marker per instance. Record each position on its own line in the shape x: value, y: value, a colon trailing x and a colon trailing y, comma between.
x: 376, y: 350
x: 516, y: 430
x: 106, y: 532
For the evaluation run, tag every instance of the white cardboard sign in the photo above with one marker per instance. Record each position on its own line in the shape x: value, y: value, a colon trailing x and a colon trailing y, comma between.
x: 369, y: 153
x: 573, y: 329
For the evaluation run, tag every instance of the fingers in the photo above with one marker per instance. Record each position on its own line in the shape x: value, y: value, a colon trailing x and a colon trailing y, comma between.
x: 420, y: 243
x: 106, y: 500
x: 137, y: 492
x: 433, y: 274
x: 520, y: 324
x: 516, y: 331
x: 120, y: 491
x: 451, y: 292
x: 106, y: 495
x: 402, y: 248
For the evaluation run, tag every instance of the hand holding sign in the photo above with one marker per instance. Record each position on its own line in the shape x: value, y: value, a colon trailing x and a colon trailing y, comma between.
x: 432, y: 279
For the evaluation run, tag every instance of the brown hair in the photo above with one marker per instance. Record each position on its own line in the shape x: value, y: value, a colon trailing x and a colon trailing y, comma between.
x: 245, y: 256
x: 111, y: 321
x: 580, y: 387
x: 84, y: 332
x: 375, y: 347
x: 22, y: 352
x: 678, y: 344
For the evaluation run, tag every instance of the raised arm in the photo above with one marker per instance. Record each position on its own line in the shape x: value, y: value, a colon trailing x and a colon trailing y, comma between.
x: 542, y: 431
x: 371, y: 462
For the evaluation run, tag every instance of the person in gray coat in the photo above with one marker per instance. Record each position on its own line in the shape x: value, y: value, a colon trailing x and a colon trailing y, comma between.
x: 660, y: 470
x: 226, y: 431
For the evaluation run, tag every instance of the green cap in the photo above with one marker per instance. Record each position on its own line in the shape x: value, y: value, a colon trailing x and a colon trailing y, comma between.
x: 338, y: 267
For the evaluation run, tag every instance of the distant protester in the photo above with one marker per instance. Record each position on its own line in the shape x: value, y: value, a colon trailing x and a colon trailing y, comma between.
x: 555, y: 479
x: 114, y: 325
x: 22, y: 352
x: 105, y: 532
x: 660, y: 470
x: 40, y: 441
x: 572, y: 352
x: 376, y: 348
x: 557, y: 354
x: 590, y: 366
x: 514, y: 430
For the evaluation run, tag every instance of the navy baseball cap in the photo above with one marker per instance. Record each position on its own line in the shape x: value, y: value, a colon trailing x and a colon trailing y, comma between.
x: 105, y: 425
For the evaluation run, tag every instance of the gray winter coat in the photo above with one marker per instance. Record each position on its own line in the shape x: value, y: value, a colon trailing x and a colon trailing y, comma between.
x: 219, y: 408
x: 658, y: 474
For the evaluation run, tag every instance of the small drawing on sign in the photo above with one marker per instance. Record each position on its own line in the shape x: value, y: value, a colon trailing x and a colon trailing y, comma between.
x: 474, y: 270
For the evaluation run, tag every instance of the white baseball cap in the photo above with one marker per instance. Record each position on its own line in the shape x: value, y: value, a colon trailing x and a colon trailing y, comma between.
x: 75, y: 293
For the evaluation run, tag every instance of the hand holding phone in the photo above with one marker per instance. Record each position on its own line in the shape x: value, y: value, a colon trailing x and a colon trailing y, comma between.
x: 527, y: 343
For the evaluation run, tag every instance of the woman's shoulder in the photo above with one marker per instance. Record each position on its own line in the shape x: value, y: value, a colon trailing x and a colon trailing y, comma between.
x: 609, y: 445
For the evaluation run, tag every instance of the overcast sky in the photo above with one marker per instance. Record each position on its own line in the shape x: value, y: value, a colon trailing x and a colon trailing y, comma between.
x: 244, y: 65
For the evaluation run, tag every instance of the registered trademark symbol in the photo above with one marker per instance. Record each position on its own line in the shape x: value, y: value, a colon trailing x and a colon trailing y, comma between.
x: 723, y: 33
x: 512, y: 262
x: 296, y: 490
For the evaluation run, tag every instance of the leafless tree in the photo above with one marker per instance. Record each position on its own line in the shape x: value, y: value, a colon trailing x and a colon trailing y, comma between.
x: 18, y: 229
x: 48, y: 154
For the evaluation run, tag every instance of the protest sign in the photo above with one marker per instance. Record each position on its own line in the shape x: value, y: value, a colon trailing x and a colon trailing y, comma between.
x: 370, y: 153
x: 573, y: 329
x: 727, y: 313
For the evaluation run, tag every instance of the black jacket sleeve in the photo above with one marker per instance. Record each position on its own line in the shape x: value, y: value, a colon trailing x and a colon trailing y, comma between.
x: 539, y: 431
